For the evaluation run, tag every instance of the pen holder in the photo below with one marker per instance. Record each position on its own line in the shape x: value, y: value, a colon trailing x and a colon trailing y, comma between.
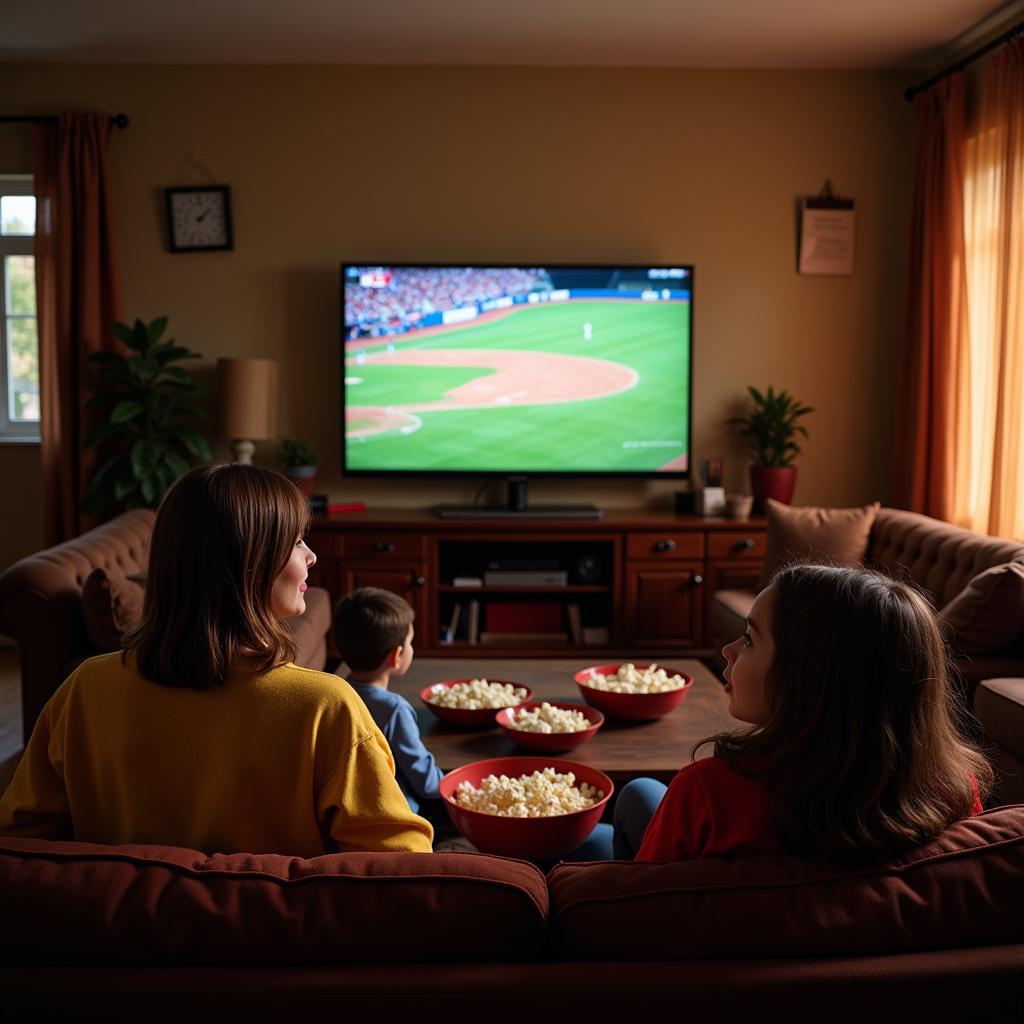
x: 711, y: 501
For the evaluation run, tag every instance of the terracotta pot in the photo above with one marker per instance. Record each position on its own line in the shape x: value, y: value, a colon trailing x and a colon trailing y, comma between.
x: 304, y: 477
x: 776, y: 482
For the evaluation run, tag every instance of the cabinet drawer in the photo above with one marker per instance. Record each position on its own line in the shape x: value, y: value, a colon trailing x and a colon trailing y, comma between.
x: 390, y: 547
x: 326, y: 543
x: 736, y: 544
x: 664, y: 545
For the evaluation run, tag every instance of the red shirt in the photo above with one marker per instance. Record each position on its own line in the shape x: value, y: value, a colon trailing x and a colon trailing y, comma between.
x: 711, y: 810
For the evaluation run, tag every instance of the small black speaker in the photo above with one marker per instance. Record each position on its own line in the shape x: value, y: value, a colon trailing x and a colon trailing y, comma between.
x: 684, y: 503
x: 588, y: 568
x: 317, y: 504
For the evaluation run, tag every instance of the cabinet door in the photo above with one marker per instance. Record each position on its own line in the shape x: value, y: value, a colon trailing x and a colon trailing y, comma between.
x: 665, y: 605
x: 407, y: 583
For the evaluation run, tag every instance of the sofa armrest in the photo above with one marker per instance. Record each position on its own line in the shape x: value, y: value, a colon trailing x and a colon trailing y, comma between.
x: 41, y: 601
x: 42, y: 632
x: 999, y: 706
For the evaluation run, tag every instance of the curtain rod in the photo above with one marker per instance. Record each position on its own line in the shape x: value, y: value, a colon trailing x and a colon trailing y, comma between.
x: 1009, y: 34
x: 118, y: 120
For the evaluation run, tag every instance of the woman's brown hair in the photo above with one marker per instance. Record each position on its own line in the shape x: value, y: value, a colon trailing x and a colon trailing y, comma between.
x: 863, y: 749
x: 222, y: 535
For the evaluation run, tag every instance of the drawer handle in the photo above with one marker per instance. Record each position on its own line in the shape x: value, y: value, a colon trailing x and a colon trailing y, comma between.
x: 697, y: 579
x: 384, y: 545
x: 747, y: 544
x: 665, y: 545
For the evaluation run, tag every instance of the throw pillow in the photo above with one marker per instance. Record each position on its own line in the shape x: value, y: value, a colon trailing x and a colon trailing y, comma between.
x: 988, y: 614
x: 111, y: 606
x: 835, y: 536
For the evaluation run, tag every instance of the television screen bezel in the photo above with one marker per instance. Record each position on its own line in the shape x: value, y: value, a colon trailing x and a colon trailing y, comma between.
x: 501, y: 474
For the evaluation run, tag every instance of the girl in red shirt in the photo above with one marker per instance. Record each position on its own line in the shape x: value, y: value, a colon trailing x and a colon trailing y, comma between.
x: 854, y: 749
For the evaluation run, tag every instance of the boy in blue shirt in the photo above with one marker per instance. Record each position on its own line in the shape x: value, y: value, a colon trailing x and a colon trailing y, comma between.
x: 373, y: 632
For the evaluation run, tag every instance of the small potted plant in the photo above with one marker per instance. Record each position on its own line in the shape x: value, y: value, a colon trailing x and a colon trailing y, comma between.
x: 298, y: 460
x: 770, y: 431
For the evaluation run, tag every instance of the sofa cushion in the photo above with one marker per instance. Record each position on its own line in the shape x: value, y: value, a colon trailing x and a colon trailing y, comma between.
x: 111, y: 605
x: 962, y: 889
x: 988, y: 614
x: 88, y: 904
x: 837, y: 536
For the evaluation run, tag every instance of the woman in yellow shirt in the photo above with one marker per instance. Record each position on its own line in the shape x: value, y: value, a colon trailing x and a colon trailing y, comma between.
x: 201, y: 733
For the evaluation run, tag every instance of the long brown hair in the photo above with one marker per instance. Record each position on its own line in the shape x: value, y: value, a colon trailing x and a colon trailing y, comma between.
x: 221, y: 537
x: 863, y: 746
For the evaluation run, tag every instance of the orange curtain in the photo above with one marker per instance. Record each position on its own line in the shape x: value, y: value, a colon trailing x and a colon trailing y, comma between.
x: 78, y: 298
x: 990, y: 470
x: 934, y: 354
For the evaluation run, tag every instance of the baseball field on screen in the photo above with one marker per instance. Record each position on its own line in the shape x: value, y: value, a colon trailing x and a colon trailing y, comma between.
x: 577, y: 386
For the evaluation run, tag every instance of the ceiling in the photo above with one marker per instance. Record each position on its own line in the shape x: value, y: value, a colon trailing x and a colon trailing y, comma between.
x: 842, y: 34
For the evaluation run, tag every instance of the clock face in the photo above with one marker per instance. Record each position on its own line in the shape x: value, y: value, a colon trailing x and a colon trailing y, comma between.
x: 200, y: 218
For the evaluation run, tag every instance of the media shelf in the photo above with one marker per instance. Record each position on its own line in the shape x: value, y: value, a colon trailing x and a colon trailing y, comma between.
x: 447, y: 588
x: 633, y: 581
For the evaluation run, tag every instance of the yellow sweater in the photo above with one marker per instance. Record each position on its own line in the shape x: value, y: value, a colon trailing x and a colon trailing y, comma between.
x: 285, y: 762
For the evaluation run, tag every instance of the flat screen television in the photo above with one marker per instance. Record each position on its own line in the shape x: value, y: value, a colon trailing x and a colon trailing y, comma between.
x: 518, y: 371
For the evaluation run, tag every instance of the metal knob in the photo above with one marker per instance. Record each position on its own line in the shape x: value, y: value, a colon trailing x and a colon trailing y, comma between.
x: 746, y: 544
x: 665, y: 545
x: 419, y: 580
x: 384, y: 545
x: 697, y: 579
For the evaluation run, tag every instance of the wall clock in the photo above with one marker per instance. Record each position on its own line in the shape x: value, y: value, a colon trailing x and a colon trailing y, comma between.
x: 199, y: 218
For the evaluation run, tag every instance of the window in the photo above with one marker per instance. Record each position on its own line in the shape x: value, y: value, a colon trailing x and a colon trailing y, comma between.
x: 19, y: 352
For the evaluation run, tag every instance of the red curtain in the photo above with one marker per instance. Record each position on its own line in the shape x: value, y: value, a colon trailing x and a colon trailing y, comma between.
x: 935, y: 338
x: 78, y: 298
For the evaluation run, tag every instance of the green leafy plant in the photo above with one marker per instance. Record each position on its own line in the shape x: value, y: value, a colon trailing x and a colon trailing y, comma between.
x: 292, y: 452
x: 770, y: 430
x: 146, y: 406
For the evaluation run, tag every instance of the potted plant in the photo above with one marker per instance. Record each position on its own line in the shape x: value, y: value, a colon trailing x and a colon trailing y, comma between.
x: 147, y: 407
x: 770, y: 431
x: 298, y: 460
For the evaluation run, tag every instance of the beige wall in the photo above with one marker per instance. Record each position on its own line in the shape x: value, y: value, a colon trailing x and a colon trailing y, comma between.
x: 535, y: 165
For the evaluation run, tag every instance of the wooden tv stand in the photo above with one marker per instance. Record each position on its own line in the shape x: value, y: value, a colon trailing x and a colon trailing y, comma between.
x: 641, y: 582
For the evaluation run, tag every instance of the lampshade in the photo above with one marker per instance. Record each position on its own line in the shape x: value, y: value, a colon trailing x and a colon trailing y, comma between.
x: 248, y: 398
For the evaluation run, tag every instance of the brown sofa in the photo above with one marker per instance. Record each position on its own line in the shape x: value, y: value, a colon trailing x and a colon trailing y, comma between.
x: 941, y: 558
x: 936, y: 933
x: 41, y: 606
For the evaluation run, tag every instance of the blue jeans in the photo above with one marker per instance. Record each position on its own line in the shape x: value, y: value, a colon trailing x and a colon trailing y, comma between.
x: 621, y: 840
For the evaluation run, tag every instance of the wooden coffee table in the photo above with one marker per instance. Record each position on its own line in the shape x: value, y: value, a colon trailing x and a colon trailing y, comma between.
x: 623, y: 750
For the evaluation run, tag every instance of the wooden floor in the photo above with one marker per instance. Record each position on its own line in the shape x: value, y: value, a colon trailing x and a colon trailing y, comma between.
x: 10, y: 714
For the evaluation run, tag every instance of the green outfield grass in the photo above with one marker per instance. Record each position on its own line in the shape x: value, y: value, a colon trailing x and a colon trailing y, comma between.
x: 561, y: 437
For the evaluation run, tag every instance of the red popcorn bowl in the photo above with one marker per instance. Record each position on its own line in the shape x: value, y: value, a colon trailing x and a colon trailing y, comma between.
x: 549, y: 741
x: 529, y: 838
x: 635, y: 707
x: 465, y: 718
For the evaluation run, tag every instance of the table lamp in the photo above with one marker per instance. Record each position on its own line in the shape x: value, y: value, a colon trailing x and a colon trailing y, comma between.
x: 248, y: 403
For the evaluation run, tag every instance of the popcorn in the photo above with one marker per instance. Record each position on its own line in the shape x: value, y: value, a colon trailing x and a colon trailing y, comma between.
x: 542, y: 794
x: 547, y: 718
x: 630, y: 679
x: 477, y: 695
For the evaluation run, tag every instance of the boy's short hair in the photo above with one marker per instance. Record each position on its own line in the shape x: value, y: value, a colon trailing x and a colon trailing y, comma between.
x: 369, y: 623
